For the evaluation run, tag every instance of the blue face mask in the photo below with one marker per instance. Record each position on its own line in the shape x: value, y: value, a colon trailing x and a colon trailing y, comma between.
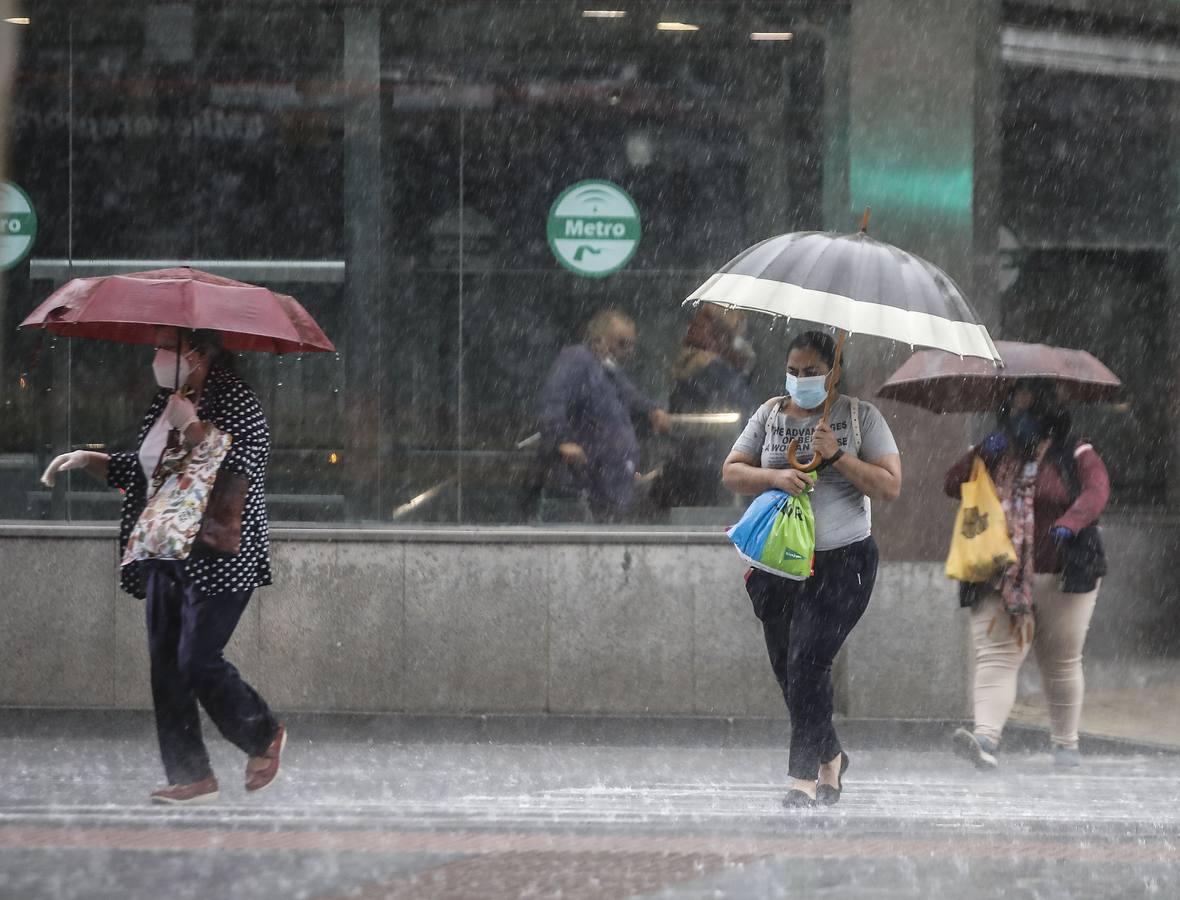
x: 809, y: 393
x: 1027, y: 429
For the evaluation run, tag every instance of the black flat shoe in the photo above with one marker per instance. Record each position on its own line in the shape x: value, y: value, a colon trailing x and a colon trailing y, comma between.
x: 797, y: 800
x: 828, y: 795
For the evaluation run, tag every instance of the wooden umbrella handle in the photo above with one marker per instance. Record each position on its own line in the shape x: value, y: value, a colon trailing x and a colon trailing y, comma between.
x: 834, y: 376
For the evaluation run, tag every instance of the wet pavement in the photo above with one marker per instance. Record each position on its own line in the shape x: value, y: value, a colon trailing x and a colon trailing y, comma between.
x: 403, y: 807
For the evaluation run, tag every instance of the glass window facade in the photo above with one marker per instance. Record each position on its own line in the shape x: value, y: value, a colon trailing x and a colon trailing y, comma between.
x: 394, y: 168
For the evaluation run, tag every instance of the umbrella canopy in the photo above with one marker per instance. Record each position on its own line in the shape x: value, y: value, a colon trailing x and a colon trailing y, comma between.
x: 855, y: 283
x: 943, y: 383
x: 128, y: 308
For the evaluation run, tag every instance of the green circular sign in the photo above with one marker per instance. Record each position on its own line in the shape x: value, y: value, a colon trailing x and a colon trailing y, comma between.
x: 594, y: 228
x: 18, y: 225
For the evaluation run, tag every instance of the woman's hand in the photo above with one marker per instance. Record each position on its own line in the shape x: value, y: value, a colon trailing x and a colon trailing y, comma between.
x: 824, y: 441
x: 792, y: 481
x: 78, y: 459
x: 180, y: 412
x: 573, y: 455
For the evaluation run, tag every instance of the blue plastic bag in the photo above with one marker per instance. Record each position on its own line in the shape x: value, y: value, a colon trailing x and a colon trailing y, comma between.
x: 777, y: 534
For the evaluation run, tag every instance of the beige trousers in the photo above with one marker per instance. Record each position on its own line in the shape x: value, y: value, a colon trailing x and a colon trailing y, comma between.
x: 1059, y: 632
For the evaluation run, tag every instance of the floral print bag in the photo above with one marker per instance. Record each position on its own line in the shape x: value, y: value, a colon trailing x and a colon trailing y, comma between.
x: 179, y: 493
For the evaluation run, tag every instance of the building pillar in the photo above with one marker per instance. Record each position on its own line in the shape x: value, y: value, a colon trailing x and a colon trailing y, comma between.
x: 923, y: 90
x: 1171, y: 365
x: 364, y: 335
x: 920, y: 100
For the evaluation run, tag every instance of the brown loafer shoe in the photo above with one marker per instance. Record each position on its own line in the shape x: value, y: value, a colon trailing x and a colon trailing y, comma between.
x: 262, y: 770
x: 203, y: 791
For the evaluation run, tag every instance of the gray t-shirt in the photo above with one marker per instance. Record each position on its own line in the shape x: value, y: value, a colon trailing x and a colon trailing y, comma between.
x: 841, y: 510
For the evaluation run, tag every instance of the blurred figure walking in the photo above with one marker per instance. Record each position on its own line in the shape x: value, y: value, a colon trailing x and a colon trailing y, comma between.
x: 589, y: 415
x: 710, y: 377
x: 1053, y: 489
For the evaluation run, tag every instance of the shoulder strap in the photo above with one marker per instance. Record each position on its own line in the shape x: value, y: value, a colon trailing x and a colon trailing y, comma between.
x: 855, y: 424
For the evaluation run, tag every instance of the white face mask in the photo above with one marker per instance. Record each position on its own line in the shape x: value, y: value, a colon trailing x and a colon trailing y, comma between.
x: 164, y: 367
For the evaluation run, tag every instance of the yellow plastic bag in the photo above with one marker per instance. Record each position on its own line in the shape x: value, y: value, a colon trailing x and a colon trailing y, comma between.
x: 980, y: 546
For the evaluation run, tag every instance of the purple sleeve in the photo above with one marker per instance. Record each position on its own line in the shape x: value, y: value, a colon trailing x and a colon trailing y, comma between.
x: 959, y: 473
x: 637, y: 404
x: 560, y: 392
x: 1095, y: 483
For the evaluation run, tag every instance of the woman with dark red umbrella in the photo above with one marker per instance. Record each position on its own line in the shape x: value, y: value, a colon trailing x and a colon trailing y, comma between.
x: 193, y: 605
x: 197, y: 591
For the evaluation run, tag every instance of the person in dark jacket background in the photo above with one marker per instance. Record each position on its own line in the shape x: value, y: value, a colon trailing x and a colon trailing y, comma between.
x: 194, y: 605
x: 589, y: 411
x: 709, y: 378
x: 1053, y: 489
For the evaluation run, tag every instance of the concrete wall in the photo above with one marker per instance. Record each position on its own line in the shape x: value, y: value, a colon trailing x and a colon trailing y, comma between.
x: 483, y: 621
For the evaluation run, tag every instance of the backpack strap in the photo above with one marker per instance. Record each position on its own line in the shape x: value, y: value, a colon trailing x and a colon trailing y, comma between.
x: 770, y: 419
x: 855, y: 424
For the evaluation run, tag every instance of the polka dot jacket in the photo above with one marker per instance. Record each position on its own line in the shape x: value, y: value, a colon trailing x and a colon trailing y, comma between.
x: 232, y: 406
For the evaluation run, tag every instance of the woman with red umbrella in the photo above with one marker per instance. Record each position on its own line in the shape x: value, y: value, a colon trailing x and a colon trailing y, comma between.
x: 193, y: 605
x: 196, y: 591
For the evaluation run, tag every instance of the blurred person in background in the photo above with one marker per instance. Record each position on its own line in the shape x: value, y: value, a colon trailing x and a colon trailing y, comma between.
x: 711, y: 376
x: 591, y: 416
x: 1053, y: 489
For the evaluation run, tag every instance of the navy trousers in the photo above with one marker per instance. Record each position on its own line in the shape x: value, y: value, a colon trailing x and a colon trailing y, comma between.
x: 805, y: 624
x: 187, y: 634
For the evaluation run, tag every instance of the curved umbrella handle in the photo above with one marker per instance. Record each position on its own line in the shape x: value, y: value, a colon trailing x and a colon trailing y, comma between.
x: 816, y: 459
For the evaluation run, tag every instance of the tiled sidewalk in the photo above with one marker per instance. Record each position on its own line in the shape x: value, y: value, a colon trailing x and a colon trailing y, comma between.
x: 363, y: 814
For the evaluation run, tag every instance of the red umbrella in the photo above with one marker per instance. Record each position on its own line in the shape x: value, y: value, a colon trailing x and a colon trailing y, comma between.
x: 946, y: 383
x: 128, y: 308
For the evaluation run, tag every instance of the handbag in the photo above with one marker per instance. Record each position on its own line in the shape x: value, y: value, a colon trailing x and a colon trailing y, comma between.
x: 221, y: 526
x: 980, y: 548
x: 181, y: 487
x: 777, y: 534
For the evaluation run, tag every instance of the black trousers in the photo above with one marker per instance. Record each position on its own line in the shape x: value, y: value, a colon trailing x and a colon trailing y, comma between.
x: 187, y: 634
x: 805, y: 624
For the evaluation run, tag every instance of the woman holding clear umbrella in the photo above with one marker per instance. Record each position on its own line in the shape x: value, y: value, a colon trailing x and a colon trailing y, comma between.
x: 1053, y: 489
x: 853, y: 284
x: 806, y: 622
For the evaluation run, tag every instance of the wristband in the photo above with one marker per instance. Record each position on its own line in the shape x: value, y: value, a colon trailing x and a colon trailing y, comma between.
x: 835, y: 457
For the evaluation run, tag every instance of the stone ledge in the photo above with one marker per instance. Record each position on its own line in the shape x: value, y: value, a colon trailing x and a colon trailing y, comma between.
x: 495, y: 534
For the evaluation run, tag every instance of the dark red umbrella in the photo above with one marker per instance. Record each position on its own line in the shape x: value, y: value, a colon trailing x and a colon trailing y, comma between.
x: 946, y: 383
x: 128, y: 308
